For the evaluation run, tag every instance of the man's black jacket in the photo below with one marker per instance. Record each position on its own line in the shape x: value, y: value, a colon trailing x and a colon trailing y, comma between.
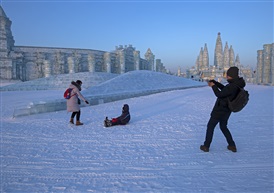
x: 223, y: 93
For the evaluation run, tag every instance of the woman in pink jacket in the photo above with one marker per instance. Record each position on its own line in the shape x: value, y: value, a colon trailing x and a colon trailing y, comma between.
x: 73, y: 104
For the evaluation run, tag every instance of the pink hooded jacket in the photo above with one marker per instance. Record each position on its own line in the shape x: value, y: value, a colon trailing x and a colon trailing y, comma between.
x: 72, y: 103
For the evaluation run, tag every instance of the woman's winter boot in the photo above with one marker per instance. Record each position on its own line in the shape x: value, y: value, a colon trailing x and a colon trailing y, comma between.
x: 71, y: 121
x: 79, y: 123
x: 232, y: 148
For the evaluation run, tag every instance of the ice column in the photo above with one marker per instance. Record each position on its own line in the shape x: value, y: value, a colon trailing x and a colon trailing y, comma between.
x: 91, y: 63
x: 266, y: 63
x: 107, y: 62
x: 136, y: 59
x: 71, y: 65
x: 122, y: 61
x: 47, y: 68
x: 259, y: 71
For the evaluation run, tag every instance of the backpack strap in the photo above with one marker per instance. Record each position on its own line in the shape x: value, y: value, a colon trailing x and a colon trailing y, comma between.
x: 72, y: 95
x: 240, y: 88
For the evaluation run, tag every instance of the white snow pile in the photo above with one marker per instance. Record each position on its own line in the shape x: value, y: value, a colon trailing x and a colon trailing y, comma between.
x: 158, y: 151
x: 128, y: 85
x: 141, y: 82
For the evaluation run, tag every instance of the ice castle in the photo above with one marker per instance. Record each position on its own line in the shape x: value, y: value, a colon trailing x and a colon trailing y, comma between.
x: 28, y: 63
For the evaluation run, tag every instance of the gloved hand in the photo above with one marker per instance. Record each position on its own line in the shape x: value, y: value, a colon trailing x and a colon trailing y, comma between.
x: 86, y: 102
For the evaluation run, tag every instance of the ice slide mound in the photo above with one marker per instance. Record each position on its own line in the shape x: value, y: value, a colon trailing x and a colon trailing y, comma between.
x: 141, y: 82
x: 128, y: 85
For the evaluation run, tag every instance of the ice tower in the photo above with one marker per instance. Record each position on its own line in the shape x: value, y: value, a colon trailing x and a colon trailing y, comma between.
x: 6, y: 44
x: 218, y: 54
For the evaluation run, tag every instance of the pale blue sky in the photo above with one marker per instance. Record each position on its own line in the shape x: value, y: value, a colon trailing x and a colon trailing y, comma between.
x: 175, y: 31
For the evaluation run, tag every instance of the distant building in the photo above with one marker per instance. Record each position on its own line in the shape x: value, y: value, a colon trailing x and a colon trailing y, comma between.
x: 265, y: 65
x: 223, y: 60
x: 160, y: 66
x: 29, y: 62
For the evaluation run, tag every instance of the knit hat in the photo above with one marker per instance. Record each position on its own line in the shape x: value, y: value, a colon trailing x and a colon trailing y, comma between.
x: 233, y: 72
x: 125, y: 107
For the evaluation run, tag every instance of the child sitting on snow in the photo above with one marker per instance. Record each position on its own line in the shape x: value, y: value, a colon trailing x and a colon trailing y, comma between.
x: 123, y: 119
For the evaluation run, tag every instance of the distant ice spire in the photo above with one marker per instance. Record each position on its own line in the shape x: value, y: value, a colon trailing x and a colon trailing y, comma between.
x: 231, y: 56
x: 218, y: 54
x: 201, y: 59
x: 6, y: 38
x: 149, y: 56
x: 226, y: 56
x: 205, y: 58
x: 237, y: 61
x: 2, y: 12
x: 197, y: 63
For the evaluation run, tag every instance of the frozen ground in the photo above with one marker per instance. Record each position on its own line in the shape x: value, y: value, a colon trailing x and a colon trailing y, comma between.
x: 158, y: 151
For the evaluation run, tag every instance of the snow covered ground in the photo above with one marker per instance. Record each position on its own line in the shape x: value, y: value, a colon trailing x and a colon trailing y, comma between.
x: 158, y: 151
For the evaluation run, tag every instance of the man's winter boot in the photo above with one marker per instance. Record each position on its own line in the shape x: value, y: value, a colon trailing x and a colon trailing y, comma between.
x: 71, y: 121
x: 79, y: 123
x: 232, y: 148
x: 204, y: 148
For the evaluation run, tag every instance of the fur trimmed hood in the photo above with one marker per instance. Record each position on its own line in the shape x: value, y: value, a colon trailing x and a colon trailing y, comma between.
x: 77, y: 85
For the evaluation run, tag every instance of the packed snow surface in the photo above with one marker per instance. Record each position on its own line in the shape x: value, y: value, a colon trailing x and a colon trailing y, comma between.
x: 158, y: 151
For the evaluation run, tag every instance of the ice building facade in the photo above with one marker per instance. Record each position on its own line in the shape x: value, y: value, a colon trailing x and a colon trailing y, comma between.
x: 265, y: 66
x: 29, y: 62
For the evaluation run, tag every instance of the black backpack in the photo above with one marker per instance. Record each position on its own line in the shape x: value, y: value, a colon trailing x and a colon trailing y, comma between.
x: 240, y: 101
